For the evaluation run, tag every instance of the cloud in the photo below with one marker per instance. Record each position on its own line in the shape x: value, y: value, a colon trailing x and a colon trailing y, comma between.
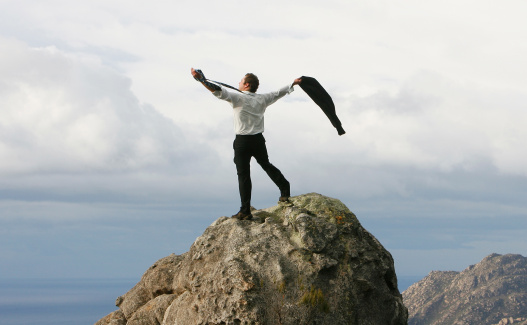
x: 72, y: 130
x: 434, y: 123
x: 66, y: 112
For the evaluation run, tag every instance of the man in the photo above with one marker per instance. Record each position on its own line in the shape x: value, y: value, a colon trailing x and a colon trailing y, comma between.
x: 249, y: 109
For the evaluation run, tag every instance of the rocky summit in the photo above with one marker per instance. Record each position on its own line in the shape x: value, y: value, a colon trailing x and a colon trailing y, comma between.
x: 307, y: 262
x: 491, y: 292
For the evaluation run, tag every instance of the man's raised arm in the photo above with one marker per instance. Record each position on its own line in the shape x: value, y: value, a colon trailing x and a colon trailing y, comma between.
x: 199, y: 76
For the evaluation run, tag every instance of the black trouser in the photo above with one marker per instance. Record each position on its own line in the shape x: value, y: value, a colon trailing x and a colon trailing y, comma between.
x: 245, y: 147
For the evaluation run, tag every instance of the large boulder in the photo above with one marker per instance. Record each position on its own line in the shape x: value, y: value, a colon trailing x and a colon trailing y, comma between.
x: 309, y: 262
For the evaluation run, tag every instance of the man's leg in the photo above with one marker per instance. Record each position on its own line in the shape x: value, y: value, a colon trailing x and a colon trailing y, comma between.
x: 274, y: 173
x: 242, y: 159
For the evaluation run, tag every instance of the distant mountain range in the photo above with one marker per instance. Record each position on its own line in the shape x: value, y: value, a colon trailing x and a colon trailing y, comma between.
x: 492, y: 292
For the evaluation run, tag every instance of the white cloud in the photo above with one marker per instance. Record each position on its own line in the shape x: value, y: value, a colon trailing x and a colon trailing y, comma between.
x: 439, y: 124
x: 66, y: 112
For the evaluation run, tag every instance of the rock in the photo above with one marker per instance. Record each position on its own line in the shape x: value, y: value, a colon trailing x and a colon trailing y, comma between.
x: 153, y: 311
x: 315, y: 233
x: 493, y: 291
x: 308, y: 263
x: 511, y: 320
x: 115, y: 318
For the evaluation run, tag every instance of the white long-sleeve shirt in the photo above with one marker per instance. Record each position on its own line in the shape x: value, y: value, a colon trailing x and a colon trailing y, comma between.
x: 249, y: 108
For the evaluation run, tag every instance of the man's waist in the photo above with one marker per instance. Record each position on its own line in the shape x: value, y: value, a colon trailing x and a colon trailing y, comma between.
x: 249, y: 135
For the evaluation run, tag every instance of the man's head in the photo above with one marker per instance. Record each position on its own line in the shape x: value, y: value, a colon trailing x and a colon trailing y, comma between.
x: 250, y: 82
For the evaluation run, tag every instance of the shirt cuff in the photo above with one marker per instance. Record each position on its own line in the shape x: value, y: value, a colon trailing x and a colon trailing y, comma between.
x: 288, y: 89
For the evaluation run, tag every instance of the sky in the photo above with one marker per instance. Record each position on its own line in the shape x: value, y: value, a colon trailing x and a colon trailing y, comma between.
x: 113, y: 156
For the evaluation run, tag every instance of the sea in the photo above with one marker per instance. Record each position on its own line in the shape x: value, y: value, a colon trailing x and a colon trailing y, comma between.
x: 73, y: 301
x: 59, y: 301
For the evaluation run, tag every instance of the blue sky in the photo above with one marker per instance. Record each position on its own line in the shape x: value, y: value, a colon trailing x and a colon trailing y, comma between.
x: 113, y: 156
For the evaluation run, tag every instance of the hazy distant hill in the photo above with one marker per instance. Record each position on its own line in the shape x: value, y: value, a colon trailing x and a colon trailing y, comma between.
x: 493, y: 291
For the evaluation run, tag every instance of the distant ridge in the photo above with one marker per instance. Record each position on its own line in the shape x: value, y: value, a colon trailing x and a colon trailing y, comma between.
x: 491, y: 292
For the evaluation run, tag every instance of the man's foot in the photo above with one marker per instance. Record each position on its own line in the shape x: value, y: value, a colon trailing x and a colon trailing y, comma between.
x: 242, y: 216
x: 284, y: 200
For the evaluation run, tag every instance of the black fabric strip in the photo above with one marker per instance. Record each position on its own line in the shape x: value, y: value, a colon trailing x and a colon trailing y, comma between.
x: 321, y: 97
x: 225, y: 85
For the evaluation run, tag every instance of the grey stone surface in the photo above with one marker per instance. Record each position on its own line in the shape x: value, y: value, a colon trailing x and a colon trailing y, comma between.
x: 307, y: 263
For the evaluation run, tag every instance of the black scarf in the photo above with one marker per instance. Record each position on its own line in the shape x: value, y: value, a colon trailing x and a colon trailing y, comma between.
x: 321, y: 97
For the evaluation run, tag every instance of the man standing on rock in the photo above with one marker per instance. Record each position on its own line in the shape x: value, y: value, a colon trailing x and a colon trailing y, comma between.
x: 249, y: 108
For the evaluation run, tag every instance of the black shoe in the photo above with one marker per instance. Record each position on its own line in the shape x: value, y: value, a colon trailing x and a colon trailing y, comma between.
x: 284, y: 201
x: 242, y: 216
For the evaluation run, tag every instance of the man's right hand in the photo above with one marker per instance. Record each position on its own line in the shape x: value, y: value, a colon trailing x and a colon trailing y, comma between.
x: 199, y: 76
x: 196, y: 74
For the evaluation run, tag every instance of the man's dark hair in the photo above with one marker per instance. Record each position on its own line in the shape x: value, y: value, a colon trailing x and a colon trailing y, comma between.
x: 252, y: 79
